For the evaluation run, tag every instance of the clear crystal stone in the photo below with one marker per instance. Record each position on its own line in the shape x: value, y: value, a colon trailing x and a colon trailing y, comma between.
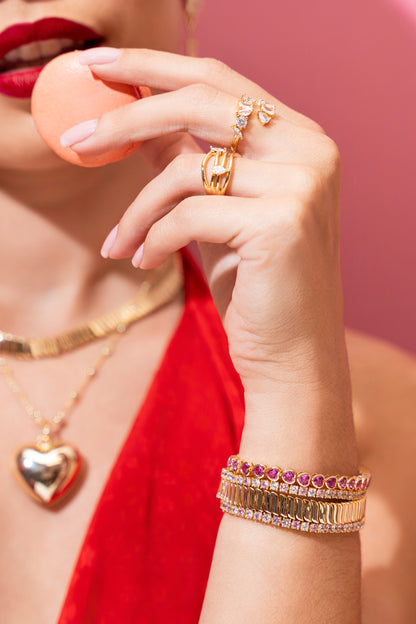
x: 311, y: 492
x: 219, y: 170
x: 264, y: 118
x: 238, y: 132
x: 270, y: 109
x: 286, y: 522
x: 274, y: 485
x: 304, y: 526
x: 255, y: 482
x: 245, y: 110
x: 249, y: 513
x: 267, y: 518
x: 241, y: 122
x: 293, y: 489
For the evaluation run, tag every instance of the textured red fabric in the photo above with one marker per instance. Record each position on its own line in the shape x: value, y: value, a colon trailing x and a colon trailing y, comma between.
x: 147, y: 552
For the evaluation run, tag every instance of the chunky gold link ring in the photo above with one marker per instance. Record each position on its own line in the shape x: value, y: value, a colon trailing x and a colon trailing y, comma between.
x: 246, y: 106
x: 221, y: 170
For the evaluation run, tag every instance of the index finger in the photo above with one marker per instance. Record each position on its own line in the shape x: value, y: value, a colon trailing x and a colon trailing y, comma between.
x: 166, y: 71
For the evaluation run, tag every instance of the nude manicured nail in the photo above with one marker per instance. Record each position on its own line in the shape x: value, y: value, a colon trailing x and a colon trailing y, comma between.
x: 138, y: 257
x: 99, y: 56
x: 78, y: 133
x: 109, y: 242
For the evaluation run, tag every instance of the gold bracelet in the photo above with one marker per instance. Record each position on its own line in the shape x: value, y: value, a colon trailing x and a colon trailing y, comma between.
x: 300, y: 483
x: 291, y: 512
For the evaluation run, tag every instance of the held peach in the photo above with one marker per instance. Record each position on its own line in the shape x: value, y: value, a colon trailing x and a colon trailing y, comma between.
x: 67, y: 93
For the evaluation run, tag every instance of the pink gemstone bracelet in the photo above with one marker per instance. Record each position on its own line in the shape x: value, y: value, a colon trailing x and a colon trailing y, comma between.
x: 299, y: 483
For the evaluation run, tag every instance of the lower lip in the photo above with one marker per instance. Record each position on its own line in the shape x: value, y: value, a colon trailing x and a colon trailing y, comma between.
x: 19, y: 84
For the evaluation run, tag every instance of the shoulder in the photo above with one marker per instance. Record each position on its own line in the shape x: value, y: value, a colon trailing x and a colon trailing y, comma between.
x: 384, y: 398
x: 384, y: 386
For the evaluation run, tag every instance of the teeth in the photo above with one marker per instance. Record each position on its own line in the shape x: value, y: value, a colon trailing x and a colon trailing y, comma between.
x: 50, y: 47
x: 39, y: 50
x: 29, y: 52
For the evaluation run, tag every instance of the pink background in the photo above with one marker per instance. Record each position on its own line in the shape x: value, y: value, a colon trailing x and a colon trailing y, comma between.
x: 351, y: 66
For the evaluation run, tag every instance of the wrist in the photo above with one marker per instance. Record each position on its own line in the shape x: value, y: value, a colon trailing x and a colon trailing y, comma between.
x: 301, y: 427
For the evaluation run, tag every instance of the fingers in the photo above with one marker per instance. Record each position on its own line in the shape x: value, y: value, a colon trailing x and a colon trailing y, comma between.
x: 201, y: 110
x: 208, y: 219
x: 182, y: 178
x: 167, y: 72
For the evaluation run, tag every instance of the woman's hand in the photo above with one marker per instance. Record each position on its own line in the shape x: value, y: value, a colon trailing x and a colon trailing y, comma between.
x: 270, y: 248
x: 270, y: 252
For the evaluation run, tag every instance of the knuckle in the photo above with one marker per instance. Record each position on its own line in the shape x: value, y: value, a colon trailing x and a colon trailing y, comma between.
x: 201, y: 94
x: 309, y: 182
x: 180, y: 166
x: 330, y: 155
x: 214, y: 68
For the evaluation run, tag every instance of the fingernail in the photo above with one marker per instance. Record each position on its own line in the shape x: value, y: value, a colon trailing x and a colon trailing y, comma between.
x: 138, y: 257
x: 109, y: 242
x: 78, y: 133
x: 99, y: 56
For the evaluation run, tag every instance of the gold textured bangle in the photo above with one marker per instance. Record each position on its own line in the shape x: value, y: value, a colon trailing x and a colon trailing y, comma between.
x: 289, y: 511
x: 300, y: 483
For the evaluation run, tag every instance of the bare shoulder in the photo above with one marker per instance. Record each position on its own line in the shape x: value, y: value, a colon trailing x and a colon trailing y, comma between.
x: 384, y: 395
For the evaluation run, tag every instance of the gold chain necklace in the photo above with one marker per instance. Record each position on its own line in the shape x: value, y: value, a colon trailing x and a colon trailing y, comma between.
x: 165, y: 285
x: 48, y: 470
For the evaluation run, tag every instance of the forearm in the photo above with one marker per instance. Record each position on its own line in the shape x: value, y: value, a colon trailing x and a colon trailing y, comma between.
x: 263, y: 573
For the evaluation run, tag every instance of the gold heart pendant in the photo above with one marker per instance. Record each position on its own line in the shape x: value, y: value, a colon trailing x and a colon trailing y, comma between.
x: 49, y: 474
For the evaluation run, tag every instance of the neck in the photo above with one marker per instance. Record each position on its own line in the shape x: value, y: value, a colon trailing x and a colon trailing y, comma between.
x: 53, y: 225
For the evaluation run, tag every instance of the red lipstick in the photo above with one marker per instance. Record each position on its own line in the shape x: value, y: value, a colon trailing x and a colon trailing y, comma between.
x: 18, y: 76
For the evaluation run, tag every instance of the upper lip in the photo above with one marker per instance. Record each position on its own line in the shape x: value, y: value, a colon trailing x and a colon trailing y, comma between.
x: 47, y: 28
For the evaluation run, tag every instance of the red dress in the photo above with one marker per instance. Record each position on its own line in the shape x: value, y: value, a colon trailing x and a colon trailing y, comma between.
x: 147, y: 552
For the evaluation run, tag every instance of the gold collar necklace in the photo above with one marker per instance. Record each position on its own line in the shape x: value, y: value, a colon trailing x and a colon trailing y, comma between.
x: 150, y: 297
x: 48, y: 469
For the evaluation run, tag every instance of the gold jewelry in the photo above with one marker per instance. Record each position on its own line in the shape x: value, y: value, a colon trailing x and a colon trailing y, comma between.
x: 150, y: 298
x: 221, y: 171
x: 48, y: 470
x: 290, y: 512
x: 246, y: 106
x: 300, y: 483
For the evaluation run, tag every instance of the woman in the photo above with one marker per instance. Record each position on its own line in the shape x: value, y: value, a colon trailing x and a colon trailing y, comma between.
x: 270, y: 255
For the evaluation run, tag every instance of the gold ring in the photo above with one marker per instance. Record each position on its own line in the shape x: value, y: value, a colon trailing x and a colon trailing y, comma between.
x: 246, y: 106
x: 221, y: 170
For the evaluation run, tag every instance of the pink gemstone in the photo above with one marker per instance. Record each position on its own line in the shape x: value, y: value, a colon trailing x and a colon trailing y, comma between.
x: 235, y: 465
x: 257, y: 515
x: 359, y: 484
x: 258, y: 470
x: 331, y: 482
x: 288, y: 476
x: 365, y: 484
x: 272, y: 473
x: 351, y: 483
x: 318, y: 481
x: 245, y: 468
x: 342, y: 483
x: 304, y: 479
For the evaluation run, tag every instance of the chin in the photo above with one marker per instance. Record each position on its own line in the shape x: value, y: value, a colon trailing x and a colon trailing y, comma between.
x: 21, y: 147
